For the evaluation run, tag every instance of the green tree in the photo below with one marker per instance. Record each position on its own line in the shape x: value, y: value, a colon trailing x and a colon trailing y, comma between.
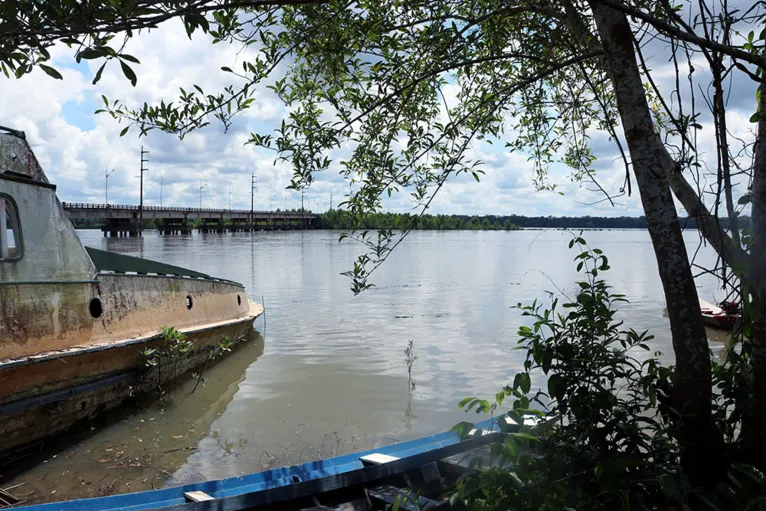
x: 371, y: 74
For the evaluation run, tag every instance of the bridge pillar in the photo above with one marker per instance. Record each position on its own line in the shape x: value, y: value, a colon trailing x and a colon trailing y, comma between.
x: 211, y: 225
x: 122, y: 228
x: 238, y: 225
x: 174, y: 226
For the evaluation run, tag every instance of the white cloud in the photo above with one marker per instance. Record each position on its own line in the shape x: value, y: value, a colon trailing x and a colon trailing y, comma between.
x: 74, y: 146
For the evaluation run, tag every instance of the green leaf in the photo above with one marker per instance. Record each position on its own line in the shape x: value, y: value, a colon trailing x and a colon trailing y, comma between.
x: 89, y: 54
x: 124, y: 131
x: 227, y: 69
x: 98, y: 76
x: 129, y: 74
x: 553, y: 382
x: 526, y: 383
x: 130, y: 58
x: 462, y: 429
x: 512, y: 446
x: 755, y: 117
x: 526, y: 436
x: 51, y: 72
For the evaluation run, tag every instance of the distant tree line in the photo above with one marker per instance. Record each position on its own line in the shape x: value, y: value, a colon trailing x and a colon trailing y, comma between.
x: 340, y: 219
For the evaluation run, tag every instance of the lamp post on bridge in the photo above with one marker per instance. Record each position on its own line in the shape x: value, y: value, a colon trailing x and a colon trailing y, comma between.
x: 253, y: 188
x: 141, y: 199
x: 106, y: 185
x: 201, y: 186
x: 162, y: 178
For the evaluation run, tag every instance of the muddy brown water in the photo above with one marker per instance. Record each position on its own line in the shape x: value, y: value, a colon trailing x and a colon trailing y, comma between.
x: 325, y: 371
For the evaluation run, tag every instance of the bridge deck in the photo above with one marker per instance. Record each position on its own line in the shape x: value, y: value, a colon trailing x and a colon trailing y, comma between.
x: 122, y: 211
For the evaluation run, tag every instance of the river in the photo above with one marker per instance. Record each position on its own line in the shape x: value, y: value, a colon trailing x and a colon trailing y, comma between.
x: 325, y: 372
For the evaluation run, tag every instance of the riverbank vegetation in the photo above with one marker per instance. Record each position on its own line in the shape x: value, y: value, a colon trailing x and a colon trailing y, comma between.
x: 596, y: 86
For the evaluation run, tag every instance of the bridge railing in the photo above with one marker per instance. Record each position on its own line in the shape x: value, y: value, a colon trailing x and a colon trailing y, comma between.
x: 130, y: 207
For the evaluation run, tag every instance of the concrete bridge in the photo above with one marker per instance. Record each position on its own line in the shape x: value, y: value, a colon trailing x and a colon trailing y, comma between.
x: 128, y: 220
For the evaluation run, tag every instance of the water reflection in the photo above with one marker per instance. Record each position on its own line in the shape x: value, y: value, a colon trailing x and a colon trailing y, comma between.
x: 141, y: 450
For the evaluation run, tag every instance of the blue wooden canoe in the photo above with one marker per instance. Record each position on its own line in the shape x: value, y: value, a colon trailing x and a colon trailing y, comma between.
x: 252, y: 490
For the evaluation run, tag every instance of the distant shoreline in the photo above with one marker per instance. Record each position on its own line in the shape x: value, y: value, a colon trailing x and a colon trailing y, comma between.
x: 341, y: 220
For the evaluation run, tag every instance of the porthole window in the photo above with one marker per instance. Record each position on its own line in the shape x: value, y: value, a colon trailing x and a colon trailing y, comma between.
x: 11, y: 246
x: 95, y: 308
x: 189, y: 302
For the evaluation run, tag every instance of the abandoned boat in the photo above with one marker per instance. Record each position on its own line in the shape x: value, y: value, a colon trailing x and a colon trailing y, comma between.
x: 723, y: 316
x: 81, y: 328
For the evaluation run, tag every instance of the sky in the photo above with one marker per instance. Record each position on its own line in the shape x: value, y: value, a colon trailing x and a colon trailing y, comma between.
x: 213, y: 168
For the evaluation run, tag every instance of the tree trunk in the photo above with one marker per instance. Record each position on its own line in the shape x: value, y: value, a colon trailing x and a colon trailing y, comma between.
x: 700, y: 441
x: 754, y: 421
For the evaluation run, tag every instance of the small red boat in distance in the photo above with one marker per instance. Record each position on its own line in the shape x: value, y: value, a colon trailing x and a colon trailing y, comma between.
x: 723, y: 316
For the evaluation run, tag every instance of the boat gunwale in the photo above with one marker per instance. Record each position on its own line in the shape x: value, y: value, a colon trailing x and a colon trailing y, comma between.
x: 26, y: 180
x: 113, y: 273
x: 44, y: 282
x: 166, y: 276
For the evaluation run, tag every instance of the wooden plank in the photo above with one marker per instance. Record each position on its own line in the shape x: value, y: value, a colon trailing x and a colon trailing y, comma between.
x: 377, y: 459
x: 197, y: 496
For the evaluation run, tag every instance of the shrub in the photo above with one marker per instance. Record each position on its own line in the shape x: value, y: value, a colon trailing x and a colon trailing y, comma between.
x: 610, y: 443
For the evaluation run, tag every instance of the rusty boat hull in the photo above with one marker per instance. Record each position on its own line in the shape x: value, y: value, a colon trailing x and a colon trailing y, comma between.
x: 46, y: 395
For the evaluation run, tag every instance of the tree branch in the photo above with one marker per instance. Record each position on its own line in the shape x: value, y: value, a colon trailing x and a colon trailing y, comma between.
x: 672, y: 31
x: 51, y: 33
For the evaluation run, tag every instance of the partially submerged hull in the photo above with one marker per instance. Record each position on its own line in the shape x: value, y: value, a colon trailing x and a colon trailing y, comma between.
x: 75, y: 321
